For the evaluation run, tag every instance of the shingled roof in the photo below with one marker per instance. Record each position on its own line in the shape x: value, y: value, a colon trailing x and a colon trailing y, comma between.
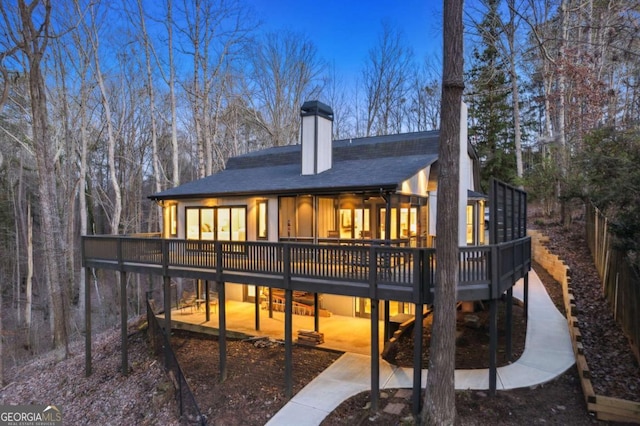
x: 362, y: 164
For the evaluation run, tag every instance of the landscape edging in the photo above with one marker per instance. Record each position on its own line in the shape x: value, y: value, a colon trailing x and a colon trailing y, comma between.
x: 605, y: 408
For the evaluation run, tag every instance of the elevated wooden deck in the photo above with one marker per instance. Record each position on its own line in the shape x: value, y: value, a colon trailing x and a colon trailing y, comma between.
x: 374, y: 271
x: 377, y: 272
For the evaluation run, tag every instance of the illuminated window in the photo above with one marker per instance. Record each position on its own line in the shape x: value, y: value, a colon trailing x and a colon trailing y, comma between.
x: 354, y: 223
x: 232, y: 224
x: 193, y: 223
x: 262, y: 220
x: 404, y: 222
x: 296, y: 217
x: 470, y: 233
x: 221, y: 223
x: 173, y: 219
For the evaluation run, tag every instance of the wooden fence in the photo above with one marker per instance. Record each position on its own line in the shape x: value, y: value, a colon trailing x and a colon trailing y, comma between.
x: 620, y: 281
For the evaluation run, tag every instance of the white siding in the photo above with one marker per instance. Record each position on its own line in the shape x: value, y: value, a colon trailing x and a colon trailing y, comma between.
x: 308, y: 135
x: 417, y: 184
x: 465, y: 177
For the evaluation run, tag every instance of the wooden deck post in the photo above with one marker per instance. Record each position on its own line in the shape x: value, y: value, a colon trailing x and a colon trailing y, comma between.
x: 222, y: 329
x: 387, y: 327
x: 207, y: 307
x: 123, y: 323
x: 316, y: 313
x: 288, y: 320
x: 493, y: 345
x: 167, y: 317
x: 509, y: 323
x: 417, y: 360
x: 288, y: 345
x: 375, y: 356
x: 526, y: 294
x: 87, y: 322
x: 493, y: 319
x: 257, y: 306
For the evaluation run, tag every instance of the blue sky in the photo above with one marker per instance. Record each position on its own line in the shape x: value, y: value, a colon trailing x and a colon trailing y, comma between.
x: 345, y: 30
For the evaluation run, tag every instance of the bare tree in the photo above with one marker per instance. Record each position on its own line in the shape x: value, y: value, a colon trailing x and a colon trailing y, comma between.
x: 175, y: 177
x: 423, y: 99
x: 439, y: 399
x: 284, y: 72
x: 28, y: 28
x: 511, y: 54
x: 155, y: 161
x: 111, y: 135
x: 385, y: 78
x: 216, y: 31
x: 337, y: 96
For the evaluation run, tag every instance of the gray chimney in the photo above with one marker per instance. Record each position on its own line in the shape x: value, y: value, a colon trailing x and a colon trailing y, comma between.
x: 316, y: 128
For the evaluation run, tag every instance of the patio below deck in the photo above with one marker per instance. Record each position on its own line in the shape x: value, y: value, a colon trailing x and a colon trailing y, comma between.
x: 341, y: 333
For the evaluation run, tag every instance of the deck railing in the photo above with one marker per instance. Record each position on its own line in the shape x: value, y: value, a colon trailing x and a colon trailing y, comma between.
x: 485, y: 271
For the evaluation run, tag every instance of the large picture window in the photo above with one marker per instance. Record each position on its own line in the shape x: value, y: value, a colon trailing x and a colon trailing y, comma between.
x: 216, y: 223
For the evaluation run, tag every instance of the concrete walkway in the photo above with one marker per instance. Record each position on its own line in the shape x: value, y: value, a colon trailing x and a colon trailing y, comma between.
x: 548, y: 353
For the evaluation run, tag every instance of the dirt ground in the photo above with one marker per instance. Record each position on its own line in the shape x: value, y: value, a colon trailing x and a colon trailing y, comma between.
x: 255, y: 387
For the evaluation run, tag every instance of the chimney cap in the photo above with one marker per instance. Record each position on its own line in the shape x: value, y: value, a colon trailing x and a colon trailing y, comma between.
x: 316, y: 108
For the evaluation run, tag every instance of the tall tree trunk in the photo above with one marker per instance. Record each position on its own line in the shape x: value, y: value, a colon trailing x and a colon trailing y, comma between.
x: 34, y: 38
x: 565, y: 212
x: 1, y: 344
x: 511, y: 34
x: 29, y: 278
x: 175, y: 177
x: 152, y: 110
x: 439, y: 399
x: 115, y: 185
x: 82, y: 173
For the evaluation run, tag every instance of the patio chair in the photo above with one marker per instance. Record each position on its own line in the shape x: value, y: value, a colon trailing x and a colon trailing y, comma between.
x: 188, y: 300
x: 213, y: 301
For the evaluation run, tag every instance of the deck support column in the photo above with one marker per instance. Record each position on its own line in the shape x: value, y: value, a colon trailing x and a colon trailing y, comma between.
x: 123, y: 323
x: 222, y: 329
x: 493, y: 345
x: 316, y: 313
x: 526, y: 295
x: 167, y: 318
x: 87, y: 322
x: 375, y: 356
x: 270, y: 302
x: 417, y: 360
x: 387, y: 327
x: 257, y: 306
x: 509, y: 324
x: 288, y: 346
x: 207, y: 308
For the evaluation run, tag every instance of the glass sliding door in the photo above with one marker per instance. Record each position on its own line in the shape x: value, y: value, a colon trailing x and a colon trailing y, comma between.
x: 355, y: 223
x: 363, y: 307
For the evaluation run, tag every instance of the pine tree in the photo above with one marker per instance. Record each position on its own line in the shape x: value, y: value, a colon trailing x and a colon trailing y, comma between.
x: 491, y: 129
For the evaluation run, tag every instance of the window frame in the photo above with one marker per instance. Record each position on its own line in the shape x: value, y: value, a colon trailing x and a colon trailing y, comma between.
x: 262, y: 220
x: 215, y: 231
x: 173, y: 220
